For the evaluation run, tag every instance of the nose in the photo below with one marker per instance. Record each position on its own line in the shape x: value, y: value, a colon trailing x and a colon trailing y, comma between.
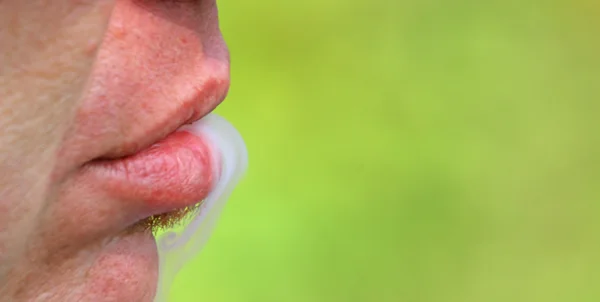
x: 172, y: 24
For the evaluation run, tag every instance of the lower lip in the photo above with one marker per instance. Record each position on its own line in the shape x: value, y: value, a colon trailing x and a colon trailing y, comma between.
x: 174, y: 173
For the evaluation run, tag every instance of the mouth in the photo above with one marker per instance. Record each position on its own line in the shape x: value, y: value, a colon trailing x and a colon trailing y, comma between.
x: 165, y: 180
x: 156, y: 172
x: 160, y: 67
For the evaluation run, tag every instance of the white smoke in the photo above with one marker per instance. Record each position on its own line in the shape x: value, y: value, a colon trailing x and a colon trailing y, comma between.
x: 176, y: 248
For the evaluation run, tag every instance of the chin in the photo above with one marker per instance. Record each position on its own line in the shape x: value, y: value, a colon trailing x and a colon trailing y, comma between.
x: 126, y: 269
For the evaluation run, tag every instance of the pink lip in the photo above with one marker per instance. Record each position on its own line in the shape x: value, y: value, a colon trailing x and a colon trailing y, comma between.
x: 174, y: 173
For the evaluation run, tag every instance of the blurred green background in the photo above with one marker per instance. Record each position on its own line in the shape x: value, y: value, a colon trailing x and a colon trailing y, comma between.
x: 410, y: 151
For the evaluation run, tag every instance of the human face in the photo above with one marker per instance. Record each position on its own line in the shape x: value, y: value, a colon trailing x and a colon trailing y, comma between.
x: 91, y: 96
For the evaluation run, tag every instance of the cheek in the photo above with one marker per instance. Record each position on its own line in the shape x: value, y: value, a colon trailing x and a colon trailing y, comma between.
x: 41, y: 82
x: 44, y: 76
x: 43, y: 72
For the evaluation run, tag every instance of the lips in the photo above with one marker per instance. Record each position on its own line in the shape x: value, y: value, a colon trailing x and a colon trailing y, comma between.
x: 174, y: 173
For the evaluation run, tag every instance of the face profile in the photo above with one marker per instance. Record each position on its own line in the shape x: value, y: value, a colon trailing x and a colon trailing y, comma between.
x: 106, y: 137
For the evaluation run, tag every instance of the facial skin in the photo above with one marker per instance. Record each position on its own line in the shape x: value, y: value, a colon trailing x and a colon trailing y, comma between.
x: 90, y: 94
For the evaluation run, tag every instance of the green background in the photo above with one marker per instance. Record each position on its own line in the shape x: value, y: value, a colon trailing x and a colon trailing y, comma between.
x: 410, y: 151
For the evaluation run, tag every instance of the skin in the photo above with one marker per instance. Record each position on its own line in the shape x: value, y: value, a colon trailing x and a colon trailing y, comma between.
x: 84, y: 81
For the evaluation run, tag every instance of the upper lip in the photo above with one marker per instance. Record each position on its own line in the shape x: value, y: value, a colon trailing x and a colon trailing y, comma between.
x: 185, y: 82
x: 206, y: 98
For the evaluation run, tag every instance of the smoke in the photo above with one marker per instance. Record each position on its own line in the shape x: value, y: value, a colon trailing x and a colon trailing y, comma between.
x: 177, y: 247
